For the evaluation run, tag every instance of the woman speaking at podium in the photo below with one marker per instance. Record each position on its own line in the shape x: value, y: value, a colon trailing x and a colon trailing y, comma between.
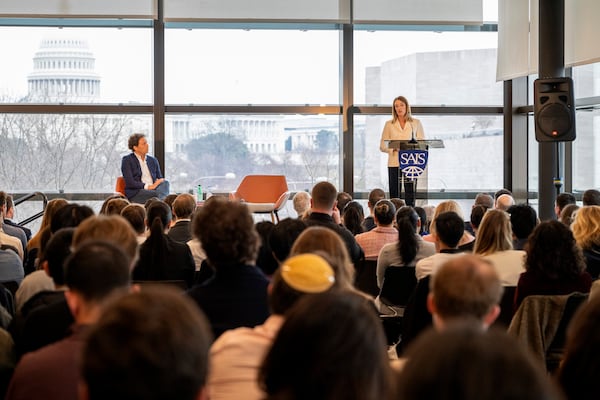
x: 402, y: 126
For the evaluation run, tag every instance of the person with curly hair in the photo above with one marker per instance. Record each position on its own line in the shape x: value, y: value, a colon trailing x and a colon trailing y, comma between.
x: 586, y: 230
x: 237, y: 295
x: 554, y: 264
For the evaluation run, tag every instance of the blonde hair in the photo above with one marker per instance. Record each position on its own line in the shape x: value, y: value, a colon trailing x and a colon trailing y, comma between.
x: 318, y: 239
x: 494, y: 233
x: 444, y: 206
x: 586, y: 227
x: 403, y: 99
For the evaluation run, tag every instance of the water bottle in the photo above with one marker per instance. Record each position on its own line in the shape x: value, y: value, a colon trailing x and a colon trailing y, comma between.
x: 199, y: 193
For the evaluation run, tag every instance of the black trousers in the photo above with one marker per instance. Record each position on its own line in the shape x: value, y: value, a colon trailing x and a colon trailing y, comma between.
x: 395, y: 184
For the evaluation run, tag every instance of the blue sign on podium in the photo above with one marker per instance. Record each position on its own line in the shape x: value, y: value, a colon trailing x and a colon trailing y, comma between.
x: 413, y: 162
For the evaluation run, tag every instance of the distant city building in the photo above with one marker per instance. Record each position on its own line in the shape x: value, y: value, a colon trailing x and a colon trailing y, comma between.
x: 64, y: 68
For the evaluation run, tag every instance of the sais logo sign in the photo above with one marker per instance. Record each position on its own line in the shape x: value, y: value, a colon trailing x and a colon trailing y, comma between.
x: 413, y: 162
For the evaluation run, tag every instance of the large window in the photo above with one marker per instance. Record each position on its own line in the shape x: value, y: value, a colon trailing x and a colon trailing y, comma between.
x: 75, y: 65
x: 251, y: 66
x: 216, y: 151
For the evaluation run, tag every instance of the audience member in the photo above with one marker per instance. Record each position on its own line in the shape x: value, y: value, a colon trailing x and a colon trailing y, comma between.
x: 372, y: 241
x: 579, y: 369
x: 115, y: 206
x: 265, y: 260
x: 468, y: 364
x: 301, y: 203
x: 323, y: 209
x: 12, y: 231
x: 504, y: 201
x: 449, y: 228
x: 494, y: 242
x: 499, y: 193
x: 33, y: 245
x: 10, y: 214
x: 135, y: 214
x: 466, y: 242
x: 409, y: 249
x: 399, y: 203
x: 92, y: 273
x: 465, y: 288
x: 567, y: 215
x: 591, y: 197
x: 562, y: 200
x: 237, y: 295
x: 523, y: 220
x: 554, y: 265
x: 374, y: 196
x: 330, y: 337
x: 283, y: 236
x: 586, y: 230
x: 171, y: 198
x: 353, y: 217
x: 183, y: 208
x: 71, y: 215
x: 484, y: 199
x: 325, y: 242
x: 424, y: 228
x: 343, y: 198
x: 51, y: 323
x: 237, y: 354
x: 162, y: 258
x: 109, y: 198
x: 477, y: 213
x: 148, y: 345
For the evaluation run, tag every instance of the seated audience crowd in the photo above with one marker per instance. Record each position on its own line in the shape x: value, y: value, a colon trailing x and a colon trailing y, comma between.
x: 167, y: 300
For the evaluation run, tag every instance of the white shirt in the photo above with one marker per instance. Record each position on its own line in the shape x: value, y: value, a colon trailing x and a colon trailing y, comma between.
x: 146, y: 176
x: 235, y: 358
x: 508, y: 264
x: 430, y: 265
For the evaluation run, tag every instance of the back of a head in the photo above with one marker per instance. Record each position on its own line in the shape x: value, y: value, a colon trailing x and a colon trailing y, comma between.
x: 50, y: 211
x: 227, y: 233
x: 384, y: 212
x: 553, y: 252
x: 301, y: 202
x: 343, y: 198
x: 299, y: 276
x: 115, y: 206
x: 324, y: 195
x: 523, y: 220
x: 591, y: 197
x: 283, y: 236
x: 151, y: 345
x: 494, y: 233
x: 484, y: 199
x: 71, y: 215
x: 563, y: 199
x: 477, y: 213
x: 112, y: 228
x: 586, y: 227
x: 375, y: 195
x: 399, y: 203
x: 56, y: 252
x: 135, y: 214
x: 465, y: 288
x: 318, y: 238
x: 406, y: 223
x: 158, y: 210
x: 96, y: 269
x: 504, y: 201
x: 265, y: 259
x: 567, y: 215
x: 184, y: 206
x: 170, y: 199
x: 445, y: 206
x: 353, y: 217
x: 449, y: 228
x: 466, y: 363
x: 500, y: 192
x: 329, y: 336
x: 578, y: 372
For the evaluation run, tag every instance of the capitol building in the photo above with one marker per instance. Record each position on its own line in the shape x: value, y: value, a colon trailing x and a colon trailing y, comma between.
x: 64, y: 68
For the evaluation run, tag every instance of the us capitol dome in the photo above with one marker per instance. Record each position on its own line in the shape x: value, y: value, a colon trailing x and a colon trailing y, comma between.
x: 64, y: 68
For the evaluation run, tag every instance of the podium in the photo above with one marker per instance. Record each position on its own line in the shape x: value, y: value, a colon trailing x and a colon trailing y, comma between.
x: 413, y: 155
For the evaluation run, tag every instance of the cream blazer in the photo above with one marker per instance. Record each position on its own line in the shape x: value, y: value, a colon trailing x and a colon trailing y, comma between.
x: 393, y: 131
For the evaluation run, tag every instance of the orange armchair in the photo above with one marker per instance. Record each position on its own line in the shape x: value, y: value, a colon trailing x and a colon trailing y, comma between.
x: 120, y: 185
x: 263, y: 194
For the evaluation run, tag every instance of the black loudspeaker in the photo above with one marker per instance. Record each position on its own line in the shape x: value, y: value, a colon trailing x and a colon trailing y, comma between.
x: 554, y: 110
